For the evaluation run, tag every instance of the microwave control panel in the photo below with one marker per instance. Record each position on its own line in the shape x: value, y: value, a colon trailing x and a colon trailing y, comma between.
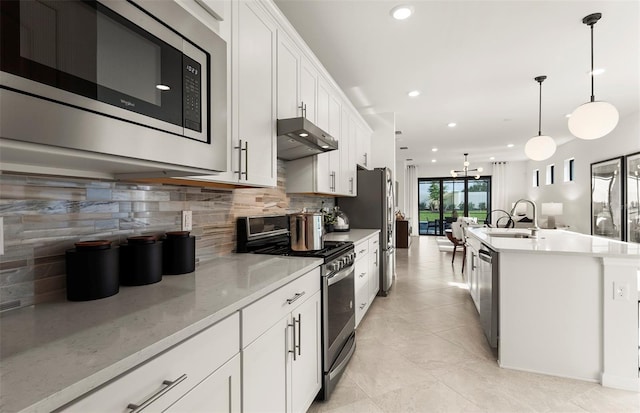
x: 191, y: 88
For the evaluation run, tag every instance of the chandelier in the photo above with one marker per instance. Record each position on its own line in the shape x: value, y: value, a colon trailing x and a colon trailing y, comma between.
x: 465, y: 169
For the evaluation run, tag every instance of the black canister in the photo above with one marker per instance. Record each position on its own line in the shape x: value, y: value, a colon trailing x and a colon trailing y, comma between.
x: 178, y: 253
x: 140, y: 261
x: 92, y: 271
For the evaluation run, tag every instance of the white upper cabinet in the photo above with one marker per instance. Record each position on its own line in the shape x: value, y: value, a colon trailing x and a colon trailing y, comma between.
x: 363, y: 145
x: 252, y: 142
x: 254, y: 68
x: 288, y: 87
x: 308, y: 89
x: 348, y: 154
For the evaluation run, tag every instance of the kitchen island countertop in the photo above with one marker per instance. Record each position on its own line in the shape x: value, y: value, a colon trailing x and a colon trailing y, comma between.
x: 555, y: 241
x: 52, y: 353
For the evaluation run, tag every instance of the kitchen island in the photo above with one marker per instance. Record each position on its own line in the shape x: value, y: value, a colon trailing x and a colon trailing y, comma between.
x: 568, y: 304
x: 55, y: 352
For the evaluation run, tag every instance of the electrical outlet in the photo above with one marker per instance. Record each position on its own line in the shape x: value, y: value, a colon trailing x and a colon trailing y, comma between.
x: 187, y: 222
x: 620, y: 291
x: 1, y: 236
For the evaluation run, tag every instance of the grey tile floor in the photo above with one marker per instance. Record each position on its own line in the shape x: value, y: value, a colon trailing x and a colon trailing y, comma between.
x: 421, y: 349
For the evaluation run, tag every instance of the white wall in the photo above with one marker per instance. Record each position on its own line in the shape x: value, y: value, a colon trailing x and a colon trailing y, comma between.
x: 516, y: 180
x: 383, y: 140
x: 400, y: 185
x: 576, y: 196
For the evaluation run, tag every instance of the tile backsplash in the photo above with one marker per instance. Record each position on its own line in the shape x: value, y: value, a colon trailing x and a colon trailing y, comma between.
x: 44, y: 216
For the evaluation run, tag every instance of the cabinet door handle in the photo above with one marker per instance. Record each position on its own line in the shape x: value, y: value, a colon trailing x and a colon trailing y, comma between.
x: 295, y: 297
x: 376, y: 252
x: 351, y: 186
x: 246, y: 160
x: 303, y: 107
x: 299, y: 346
x: 293, y: 324
x: 473, y: 261
x: 135, y: 408
x: 239, y: 147
x: 365, y: 159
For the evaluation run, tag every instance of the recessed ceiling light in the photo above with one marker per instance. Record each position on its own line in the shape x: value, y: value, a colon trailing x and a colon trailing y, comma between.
x: 414, y: 93
x: 163, y: 87
x: 304, y: 135
x: 324, y: 146
x: 510, y: 145
x: 598, y: 71
x: 492, y: 158
x: 401, y: 12
x: 434, y: 161
x: 434, y: 149
x: 452, y: 124
x: 568, y: 115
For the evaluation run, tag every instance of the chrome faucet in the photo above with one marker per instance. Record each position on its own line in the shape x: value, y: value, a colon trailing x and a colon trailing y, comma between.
x: 534, y: 230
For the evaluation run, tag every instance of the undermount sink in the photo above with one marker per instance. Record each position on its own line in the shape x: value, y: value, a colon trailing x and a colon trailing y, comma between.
x: 510, y: 235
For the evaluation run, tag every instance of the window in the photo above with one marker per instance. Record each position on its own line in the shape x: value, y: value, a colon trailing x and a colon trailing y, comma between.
x: 568, y: 169
x: 550, y: 179
x: 442, y: 200
x: 536, y: 178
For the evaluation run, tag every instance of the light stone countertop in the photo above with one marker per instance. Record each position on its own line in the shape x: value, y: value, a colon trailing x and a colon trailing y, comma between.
x: 54, y: 352
x: 555, y: 241
x: 353, y: 235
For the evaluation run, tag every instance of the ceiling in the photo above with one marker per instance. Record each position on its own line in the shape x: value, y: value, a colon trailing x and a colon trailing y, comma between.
x: 474, y: 63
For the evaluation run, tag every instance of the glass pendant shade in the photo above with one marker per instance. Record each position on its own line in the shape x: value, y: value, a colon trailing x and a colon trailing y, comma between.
x: 540, y: 148
x: 593, y: 120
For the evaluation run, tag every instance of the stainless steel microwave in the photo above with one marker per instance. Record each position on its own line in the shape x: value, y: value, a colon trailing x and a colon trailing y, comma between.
x: 143, y: 80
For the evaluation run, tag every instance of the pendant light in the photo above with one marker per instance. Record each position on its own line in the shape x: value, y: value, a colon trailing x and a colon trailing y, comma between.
x: 540, y: 147
x: 593, y: 120
x: 465, y: 169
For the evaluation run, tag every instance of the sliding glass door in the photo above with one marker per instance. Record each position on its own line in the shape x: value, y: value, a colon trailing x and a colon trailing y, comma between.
x: 442, y: 200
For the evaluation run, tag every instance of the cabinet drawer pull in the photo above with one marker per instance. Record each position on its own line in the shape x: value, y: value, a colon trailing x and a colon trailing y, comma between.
x: 361, y: 251
x: 295, y: 297
x: 363, y: 305
x: 362, y: 274
x: 135, y: 408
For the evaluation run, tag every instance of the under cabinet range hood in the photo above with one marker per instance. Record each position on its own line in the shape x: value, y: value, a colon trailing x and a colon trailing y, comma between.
x: 299, y: 138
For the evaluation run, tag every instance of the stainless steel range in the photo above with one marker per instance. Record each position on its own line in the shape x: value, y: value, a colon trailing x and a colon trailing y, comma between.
x: 270, y: 235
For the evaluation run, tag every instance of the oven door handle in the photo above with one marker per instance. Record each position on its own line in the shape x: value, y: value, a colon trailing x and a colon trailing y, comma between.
x: 333, y: 373
x: 340, y: 275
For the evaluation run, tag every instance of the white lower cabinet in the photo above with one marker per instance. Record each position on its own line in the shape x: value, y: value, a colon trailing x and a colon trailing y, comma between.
x: 361, y: 287
x: 281, y: 357
x: 367, y: 274
x: 471, y: 271
x: 173, y: 378
x: 374, y: 268
x: 220, y: 392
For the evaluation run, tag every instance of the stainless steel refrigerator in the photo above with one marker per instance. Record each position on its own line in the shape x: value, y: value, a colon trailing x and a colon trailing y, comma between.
x: 374, y: 207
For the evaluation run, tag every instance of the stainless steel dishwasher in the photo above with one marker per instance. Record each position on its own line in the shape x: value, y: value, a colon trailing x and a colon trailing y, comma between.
x: 488, y: 292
